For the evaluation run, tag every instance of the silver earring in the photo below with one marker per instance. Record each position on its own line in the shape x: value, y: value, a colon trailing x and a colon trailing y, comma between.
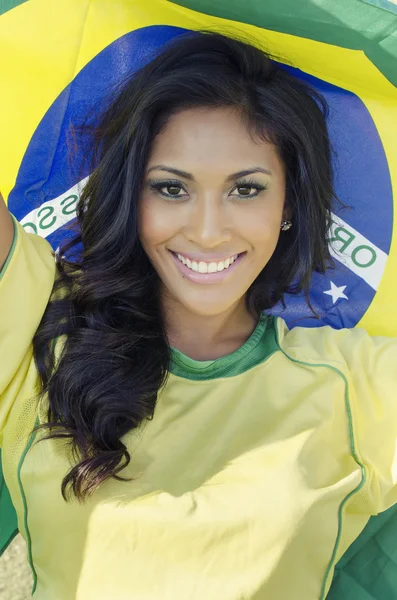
x: 285, y: 225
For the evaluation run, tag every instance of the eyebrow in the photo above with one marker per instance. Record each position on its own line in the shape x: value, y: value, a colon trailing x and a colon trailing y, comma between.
x: 190, y: 177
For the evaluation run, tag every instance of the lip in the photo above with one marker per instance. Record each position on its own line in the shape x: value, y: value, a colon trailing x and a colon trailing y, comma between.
x: 206, y: 277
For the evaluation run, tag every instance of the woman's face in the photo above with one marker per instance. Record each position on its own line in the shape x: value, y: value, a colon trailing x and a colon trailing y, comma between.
x: 211, y: 208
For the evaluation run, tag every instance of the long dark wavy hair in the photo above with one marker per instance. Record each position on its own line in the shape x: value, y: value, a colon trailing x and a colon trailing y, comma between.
x: 106, y: 301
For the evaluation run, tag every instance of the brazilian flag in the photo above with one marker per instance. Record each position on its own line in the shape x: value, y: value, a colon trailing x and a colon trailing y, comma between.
x: 59, y: 57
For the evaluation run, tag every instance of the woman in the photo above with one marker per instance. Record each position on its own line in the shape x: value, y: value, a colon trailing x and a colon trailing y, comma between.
x: 162, y: 436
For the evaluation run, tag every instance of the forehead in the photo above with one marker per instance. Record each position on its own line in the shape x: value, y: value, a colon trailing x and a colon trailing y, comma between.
x: 212, y: 140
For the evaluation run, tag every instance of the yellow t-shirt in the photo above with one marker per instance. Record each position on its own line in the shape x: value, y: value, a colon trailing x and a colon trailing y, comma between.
x: 250, y: 481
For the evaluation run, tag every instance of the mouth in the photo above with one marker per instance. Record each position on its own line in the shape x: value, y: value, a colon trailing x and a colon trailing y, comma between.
x: 206, y: 272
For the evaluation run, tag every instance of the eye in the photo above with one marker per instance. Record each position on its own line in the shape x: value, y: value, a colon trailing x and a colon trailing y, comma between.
x: 168, y: 189
x: 248, y: 189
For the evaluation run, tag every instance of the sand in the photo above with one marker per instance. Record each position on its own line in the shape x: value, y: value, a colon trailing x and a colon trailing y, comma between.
x: 15, y: 574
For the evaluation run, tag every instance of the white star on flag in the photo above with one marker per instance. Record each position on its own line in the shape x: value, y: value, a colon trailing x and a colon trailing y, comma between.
x: 336, y: 292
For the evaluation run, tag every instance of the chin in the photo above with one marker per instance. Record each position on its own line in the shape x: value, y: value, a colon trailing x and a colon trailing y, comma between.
x: 207, y: 309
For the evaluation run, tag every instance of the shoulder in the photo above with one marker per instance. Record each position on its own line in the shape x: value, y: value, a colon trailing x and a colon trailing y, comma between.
x: 26, y: 283
x: 348, y: 348
x: 368, y: 366
x: 30, y: 258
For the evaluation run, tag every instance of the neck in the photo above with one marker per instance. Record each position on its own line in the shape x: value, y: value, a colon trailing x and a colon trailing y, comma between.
x: 207, y: 337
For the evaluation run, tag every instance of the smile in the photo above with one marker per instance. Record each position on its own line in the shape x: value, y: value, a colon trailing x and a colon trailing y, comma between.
x: 207, y: 267
x: 199, y: 271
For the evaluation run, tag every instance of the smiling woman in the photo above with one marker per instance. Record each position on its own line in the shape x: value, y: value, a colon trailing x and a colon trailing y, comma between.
x: 209, y: 162
x: 211, y: 452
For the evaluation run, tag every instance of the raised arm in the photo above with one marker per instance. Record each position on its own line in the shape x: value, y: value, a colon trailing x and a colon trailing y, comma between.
x: 6, y: 232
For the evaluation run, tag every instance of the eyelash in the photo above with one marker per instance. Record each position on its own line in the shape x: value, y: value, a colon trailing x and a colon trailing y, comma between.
x: 157, y: 186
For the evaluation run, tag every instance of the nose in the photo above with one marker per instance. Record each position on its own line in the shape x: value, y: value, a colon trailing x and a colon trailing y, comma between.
x: 209, y: 224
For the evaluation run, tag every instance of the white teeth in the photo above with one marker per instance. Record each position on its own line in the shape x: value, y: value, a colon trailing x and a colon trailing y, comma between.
x: 203, y: 267
x: 212, y: 267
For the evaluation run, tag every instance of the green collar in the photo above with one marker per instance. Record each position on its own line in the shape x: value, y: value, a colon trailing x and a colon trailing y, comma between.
x: 259, y: 346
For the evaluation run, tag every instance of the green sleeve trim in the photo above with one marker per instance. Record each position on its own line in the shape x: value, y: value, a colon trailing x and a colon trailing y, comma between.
x: 8, y: 515
x: 353, y: 453
x: 8, y: 542
x: 12, y: 249
x: 25, y: 507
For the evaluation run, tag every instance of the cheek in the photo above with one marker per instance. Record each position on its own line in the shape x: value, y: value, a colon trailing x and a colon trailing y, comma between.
x: 262, y: 229
x: 155, y: 225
